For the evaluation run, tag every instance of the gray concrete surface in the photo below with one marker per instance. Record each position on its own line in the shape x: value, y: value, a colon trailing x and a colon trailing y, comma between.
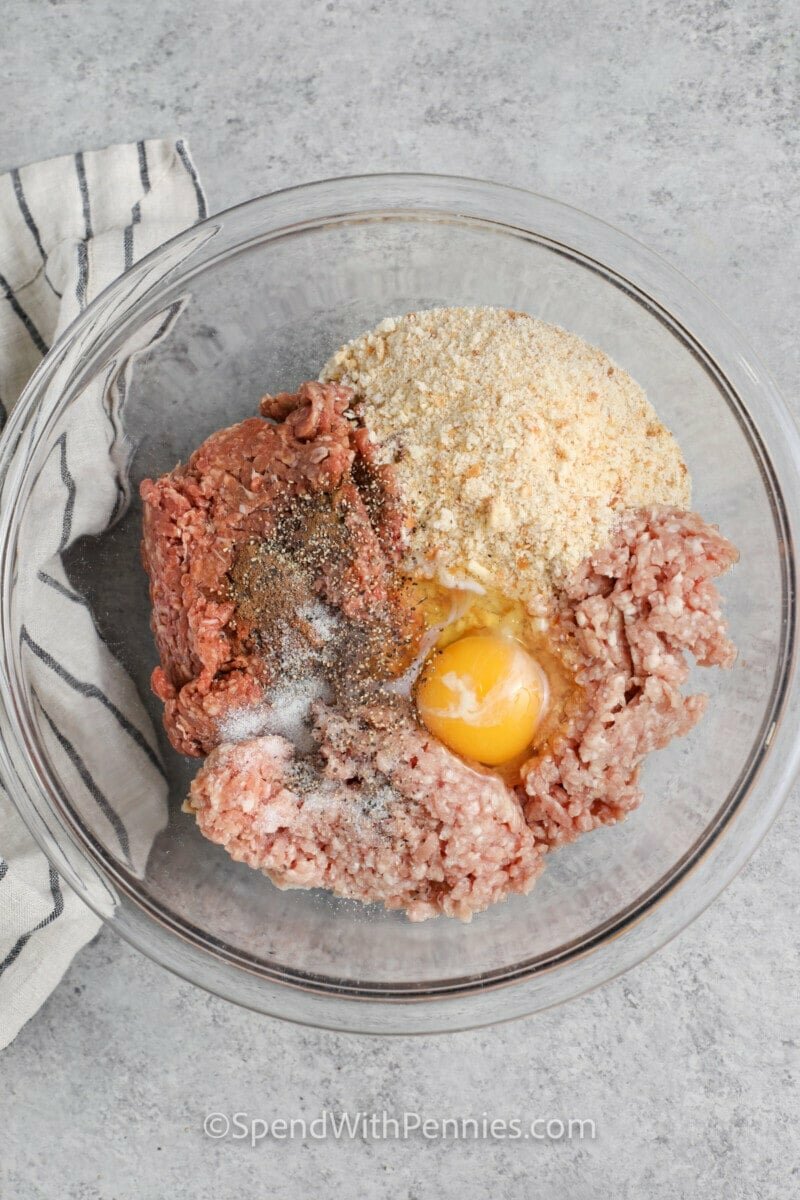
x: 676, y: 120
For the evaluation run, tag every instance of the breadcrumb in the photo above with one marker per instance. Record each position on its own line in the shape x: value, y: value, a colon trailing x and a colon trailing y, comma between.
x: 518, y: 446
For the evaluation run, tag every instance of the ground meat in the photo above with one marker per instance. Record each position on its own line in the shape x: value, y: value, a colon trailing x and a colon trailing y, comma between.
x: 627, y: 619
x: 275, y: 486
x: 284, y: 536
x: 385, y: 813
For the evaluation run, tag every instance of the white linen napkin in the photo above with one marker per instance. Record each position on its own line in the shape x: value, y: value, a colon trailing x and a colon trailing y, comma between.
x: 68, y: 228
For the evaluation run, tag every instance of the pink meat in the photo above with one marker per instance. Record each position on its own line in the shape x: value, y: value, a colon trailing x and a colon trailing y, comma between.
x: 627, y: 620
x: 382, y: 811
x: 388, y: 815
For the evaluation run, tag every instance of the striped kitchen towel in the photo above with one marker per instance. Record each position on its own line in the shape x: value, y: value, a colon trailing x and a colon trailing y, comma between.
x: 68, y: 227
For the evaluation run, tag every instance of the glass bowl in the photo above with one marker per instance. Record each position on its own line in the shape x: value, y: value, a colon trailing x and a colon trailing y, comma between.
x: 259, y: 296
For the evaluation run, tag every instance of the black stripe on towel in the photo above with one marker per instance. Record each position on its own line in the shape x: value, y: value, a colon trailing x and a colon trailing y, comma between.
x: 183, y: 155
x: 127, y: 246
x: 144, y: 173
x: 163, y: 328
x: 91, y: 692
x: 83, y: 187
x: 3, y: 868
x: 136, y: 216
x: 90, y: 785
x: 66, y: 592
x: 69, y: 484
x: 56, y: 911
x: 37, y: 339
x: 27, y: 217
x: 83, y: 274
x: 136, y: 211
x: 83, y: 249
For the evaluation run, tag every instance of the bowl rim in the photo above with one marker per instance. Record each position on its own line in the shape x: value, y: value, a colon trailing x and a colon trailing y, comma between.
x: 783, y: 708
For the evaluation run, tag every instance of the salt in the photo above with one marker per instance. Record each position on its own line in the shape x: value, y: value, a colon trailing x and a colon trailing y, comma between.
x: 285, y: 713
x: 322, y: 619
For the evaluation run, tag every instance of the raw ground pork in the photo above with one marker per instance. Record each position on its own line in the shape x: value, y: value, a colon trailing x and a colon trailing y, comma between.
x: 235, y: 489
x: 391, y: 816
x: 627, y: 620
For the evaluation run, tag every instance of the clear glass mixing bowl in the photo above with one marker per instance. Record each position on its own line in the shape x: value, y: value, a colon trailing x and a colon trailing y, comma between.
x: 265, y: 292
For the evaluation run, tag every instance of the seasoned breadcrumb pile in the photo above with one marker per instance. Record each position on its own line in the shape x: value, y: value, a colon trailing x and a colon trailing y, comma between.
x: 518, y: 446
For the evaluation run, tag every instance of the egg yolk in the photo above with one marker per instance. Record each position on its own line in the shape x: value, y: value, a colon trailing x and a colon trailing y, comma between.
x: 483, y: 696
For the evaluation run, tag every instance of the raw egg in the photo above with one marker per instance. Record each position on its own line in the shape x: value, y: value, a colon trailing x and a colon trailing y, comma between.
x: 483, y: 695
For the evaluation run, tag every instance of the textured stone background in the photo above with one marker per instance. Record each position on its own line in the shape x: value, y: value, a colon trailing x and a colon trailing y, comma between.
x: 678, y: 122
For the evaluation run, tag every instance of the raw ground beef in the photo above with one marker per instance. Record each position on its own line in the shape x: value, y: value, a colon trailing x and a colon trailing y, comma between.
x: 385, y: 814
x: 239, y: 489
x: 627, y: 620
